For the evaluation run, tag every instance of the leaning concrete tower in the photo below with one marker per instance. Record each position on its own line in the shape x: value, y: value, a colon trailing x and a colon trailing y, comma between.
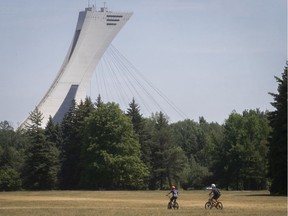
x: 94, y: 32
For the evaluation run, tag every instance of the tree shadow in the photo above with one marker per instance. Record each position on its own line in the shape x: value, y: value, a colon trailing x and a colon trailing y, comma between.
x: 263, y: 195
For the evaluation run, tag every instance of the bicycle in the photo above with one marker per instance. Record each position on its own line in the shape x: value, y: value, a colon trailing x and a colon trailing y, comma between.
x: 173, y: 205
x: 213, y: 203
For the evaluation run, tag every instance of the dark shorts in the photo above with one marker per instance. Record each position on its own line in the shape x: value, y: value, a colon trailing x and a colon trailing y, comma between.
x: 173, y: 198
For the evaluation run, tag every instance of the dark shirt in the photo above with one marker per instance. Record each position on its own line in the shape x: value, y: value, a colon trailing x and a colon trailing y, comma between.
x: 174, y: 193
x: 215, y: 192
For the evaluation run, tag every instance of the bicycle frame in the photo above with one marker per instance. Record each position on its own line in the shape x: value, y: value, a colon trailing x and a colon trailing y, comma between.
x: 172, y: 204
x: 213, y: 203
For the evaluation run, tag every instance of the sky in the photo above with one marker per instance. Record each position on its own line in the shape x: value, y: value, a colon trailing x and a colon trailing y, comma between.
x: 209, y: 57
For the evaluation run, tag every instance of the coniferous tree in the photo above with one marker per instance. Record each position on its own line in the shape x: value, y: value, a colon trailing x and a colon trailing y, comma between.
x: 141, y: 129
x: 99, y: 101
x: 168, y: 162
x: 72, y: 143
x: 70, y: 149
x: 53, y: 133
x: 161, y: 138
x: 67, y: 150
x: 136, y: 117
x: 278, y: 141
x: 42, y: 157
x: 83, y: 111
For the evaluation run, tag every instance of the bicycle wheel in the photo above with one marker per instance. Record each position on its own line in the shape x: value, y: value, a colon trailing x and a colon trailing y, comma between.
x: 176, y: 205
x: 169, y: 205
x: 219, y: 205
x: 208, y: 205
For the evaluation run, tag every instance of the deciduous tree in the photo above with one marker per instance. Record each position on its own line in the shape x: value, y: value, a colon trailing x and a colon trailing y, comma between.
x: 242, y: 159
x: 11, y: 158
x: 111, y: 152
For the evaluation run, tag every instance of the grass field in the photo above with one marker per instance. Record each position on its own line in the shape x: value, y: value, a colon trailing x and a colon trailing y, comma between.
x: 72, y: 203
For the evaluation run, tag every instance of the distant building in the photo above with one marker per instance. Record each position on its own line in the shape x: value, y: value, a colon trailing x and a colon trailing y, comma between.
x: 94, y: 32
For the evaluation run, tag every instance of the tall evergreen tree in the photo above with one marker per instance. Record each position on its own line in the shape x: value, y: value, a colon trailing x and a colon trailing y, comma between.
x: 83, y: 111
x: 68, y: 152
x: 161, y: 140
x: 168, y: 161
x: 53, y: 133
x: 99, y: 101
x: 136, y: 117
x: 42, y: 157
x: 141, y: 129
x: 72, y: 143
x: 278, y: 142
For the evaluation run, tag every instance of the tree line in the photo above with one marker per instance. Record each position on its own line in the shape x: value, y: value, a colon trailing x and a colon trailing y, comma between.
x: 99, y: 146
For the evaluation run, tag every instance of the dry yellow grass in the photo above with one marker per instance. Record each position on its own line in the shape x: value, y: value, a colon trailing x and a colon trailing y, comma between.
x: 72, y: 203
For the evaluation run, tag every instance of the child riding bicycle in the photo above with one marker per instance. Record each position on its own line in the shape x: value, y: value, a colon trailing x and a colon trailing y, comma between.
x: 174, y: 193
x: 216, y: 193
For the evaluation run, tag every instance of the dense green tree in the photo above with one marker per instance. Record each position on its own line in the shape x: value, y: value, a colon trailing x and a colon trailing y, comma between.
x: 176, y: 165
x: 72, y: 143
x: 111, y: 151
x: 5, y: 126
x: 197, y: 175
x: 53, y: 133
x: 42, y: 157
x: 185, y: 133
x: 68, y: 152
x: 83, y: 111
x: 99, y: 101
x: 168, y: 161
x: 210, y: 137
x: 204, y: 130
x: 278, y: 141
x: 136, y: 117
x: 242, y: 159
x: 199, y: 141
x: 142, y: 129
x: 10, y: 179
x: 11, y: 158
x: 162, y: 139
x: 146, y: 143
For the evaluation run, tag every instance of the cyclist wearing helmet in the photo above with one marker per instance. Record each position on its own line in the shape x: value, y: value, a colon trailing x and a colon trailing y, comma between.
x: 215, y: 191
x: 174, y: 193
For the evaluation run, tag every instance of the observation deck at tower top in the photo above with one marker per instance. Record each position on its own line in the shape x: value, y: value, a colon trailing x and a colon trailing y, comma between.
x: 93, y: 8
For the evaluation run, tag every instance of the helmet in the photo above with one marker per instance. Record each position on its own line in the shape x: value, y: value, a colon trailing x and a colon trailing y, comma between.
x: 213, y: 186
x: 173, y: 187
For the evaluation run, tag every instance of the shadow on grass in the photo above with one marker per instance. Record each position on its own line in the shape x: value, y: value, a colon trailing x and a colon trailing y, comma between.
x: 262, y: 195
x: 257, y: 195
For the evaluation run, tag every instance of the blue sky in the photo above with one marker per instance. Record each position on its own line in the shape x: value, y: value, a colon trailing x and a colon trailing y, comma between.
x: 209, y: 57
